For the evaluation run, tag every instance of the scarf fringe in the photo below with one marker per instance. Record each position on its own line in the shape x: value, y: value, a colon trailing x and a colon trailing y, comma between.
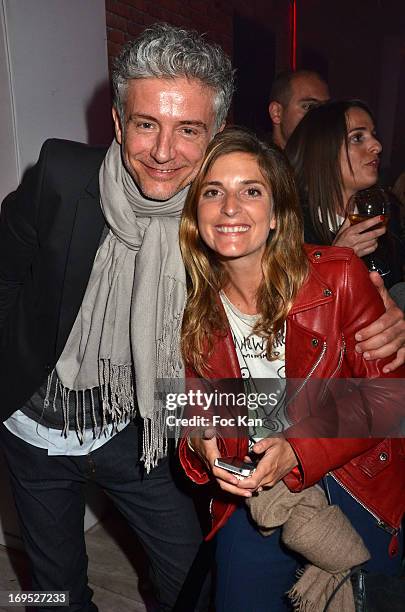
x: 170, y: 368
x: 117, y: 392
x: 116, y: 386
x: 306, y: 596
x: 117, y: 400
x: 298, y: 602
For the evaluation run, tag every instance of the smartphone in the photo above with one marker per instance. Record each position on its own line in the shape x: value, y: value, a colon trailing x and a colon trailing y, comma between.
x: 235, y: 466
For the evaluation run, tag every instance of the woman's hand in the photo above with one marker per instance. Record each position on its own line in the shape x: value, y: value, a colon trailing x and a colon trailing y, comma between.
x: 357, y: 237
x: 277, y: 461
x: 207, y: 448
x: 386, y: 336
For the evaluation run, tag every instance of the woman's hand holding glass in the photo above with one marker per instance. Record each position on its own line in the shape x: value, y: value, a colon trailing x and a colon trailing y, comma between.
x: 367, y: 205
x: 361, y: 237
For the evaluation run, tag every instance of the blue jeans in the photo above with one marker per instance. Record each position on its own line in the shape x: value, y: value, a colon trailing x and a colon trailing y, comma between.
x: 375, y: 538
x: 253, y: 571
x: 48, y: 493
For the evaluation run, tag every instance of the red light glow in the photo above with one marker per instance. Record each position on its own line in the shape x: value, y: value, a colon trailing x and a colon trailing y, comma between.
x: 293, y: 34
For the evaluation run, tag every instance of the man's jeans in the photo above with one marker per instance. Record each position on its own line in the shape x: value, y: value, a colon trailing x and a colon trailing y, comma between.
x: 49, y: 497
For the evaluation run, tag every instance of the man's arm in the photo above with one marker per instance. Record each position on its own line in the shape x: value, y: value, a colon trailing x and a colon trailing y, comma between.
x: 385, y: 336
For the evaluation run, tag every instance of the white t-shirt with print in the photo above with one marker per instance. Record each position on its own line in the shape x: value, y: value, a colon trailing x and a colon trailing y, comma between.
x: 259, y: 374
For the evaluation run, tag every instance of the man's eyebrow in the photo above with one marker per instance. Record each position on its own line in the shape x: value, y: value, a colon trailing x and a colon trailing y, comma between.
x: 317, y: 100
x: 195, y: 123
x: 192, y: 122
x: 133, y: 116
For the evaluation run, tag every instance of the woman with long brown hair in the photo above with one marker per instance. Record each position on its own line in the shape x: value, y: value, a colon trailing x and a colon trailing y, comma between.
x: 263, y: 306
x: 335, y: 153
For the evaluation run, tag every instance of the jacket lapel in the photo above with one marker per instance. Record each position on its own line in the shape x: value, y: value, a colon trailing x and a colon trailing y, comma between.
x: 85, y: 239
x: 304, y: 347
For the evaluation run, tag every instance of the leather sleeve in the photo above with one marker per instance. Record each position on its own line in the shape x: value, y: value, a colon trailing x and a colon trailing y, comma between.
x: 374, y: 407
x: 191, y: 463
x: 231, y: 440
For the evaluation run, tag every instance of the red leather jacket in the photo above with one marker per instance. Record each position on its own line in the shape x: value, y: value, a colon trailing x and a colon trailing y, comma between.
x: 336, y: 301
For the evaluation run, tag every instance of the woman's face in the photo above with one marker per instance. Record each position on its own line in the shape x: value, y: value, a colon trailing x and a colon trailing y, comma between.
x: 234, y: 210
x: 363, y: 150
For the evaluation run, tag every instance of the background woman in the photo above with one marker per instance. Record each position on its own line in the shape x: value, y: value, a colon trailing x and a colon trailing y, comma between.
x: 250, y: 277
x: 335, y: 152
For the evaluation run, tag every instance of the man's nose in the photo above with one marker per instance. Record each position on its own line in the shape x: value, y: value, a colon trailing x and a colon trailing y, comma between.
x: 163, y: 149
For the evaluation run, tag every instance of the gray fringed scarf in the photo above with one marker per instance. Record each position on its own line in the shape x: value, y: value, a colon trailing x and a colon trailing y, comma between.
x: 130, y: 318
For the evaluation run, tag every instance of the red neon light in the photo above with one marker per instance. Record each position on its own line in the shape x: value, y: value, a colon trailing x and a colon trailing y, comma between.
x: 293, y: 34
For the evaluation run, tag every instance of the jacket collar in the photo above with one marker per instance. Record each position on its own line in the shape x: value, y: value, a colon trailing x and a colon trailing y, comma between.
x: 315, y: 291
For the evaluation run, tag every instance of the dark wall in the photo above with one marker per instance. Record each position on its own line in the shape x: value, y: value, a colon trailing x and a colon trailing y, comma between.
x: 254, y: 60
x: 360, y: 46
x: 357, y: 45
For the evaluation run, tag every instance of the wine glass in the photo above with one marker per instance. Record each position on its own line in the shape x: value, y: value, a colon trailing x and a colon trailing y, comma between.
x: 363, y: 205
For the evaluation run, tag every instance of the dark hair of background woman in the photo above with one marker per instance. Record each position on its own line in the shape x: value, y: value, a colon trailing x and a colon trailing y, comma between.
x: 314, y: 152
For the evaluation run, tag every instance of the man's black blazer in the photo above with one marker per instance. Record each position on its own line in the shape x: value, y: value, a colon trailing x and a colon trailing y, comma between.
x: 50, y: 229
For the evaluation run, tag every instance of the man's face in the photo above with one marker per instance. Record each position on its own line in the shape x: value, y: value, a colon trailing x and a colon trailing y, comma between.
x: 306, y: 91
x: 168, y: 125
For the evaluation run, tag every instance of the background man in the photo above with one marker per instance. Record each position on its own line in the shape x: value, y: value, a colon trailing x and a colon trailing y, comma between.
x: 81, y: 326
x: 292, y: 95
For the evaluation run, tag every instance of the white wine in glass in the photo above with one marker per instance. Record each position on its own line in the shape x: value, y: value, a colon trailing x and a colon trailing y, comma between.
x: 372, y: 202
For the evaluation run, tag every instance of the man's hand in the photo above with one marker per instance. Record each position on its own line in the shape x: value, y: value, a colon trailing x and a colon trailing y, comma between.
x: 360, y: 237
x: 207, y: 449
x: 386, y: 336
x: 277, y: 461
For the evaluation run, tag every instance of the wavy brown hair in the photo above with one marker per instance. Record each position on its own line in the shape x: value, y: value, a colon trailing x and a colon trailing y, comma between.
x: 284, y: 262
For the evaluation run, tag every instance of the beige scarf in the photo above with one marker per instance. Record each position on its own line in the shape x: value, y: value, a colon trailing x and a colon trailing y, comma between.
x: 126, y: 334
x: 320, y: 533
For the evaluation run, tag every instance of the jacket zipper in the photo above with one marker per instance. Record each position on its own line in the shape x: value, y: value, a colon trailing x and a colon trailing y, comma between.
x: 342, y: 352
x: 311, y: 371
x: 391, y: 530
x: 210, y: 507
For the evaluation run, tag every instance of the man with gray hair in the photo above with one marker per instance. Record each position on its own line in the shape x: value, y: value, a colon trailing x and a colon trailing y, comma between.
x: 92, y: 291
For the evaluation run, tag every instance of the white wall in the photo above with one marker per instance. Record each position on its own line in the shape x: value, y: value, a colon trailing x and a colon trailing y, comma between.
x: 53, y: 62
x: 54, y: 83
x: 8, y: 150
